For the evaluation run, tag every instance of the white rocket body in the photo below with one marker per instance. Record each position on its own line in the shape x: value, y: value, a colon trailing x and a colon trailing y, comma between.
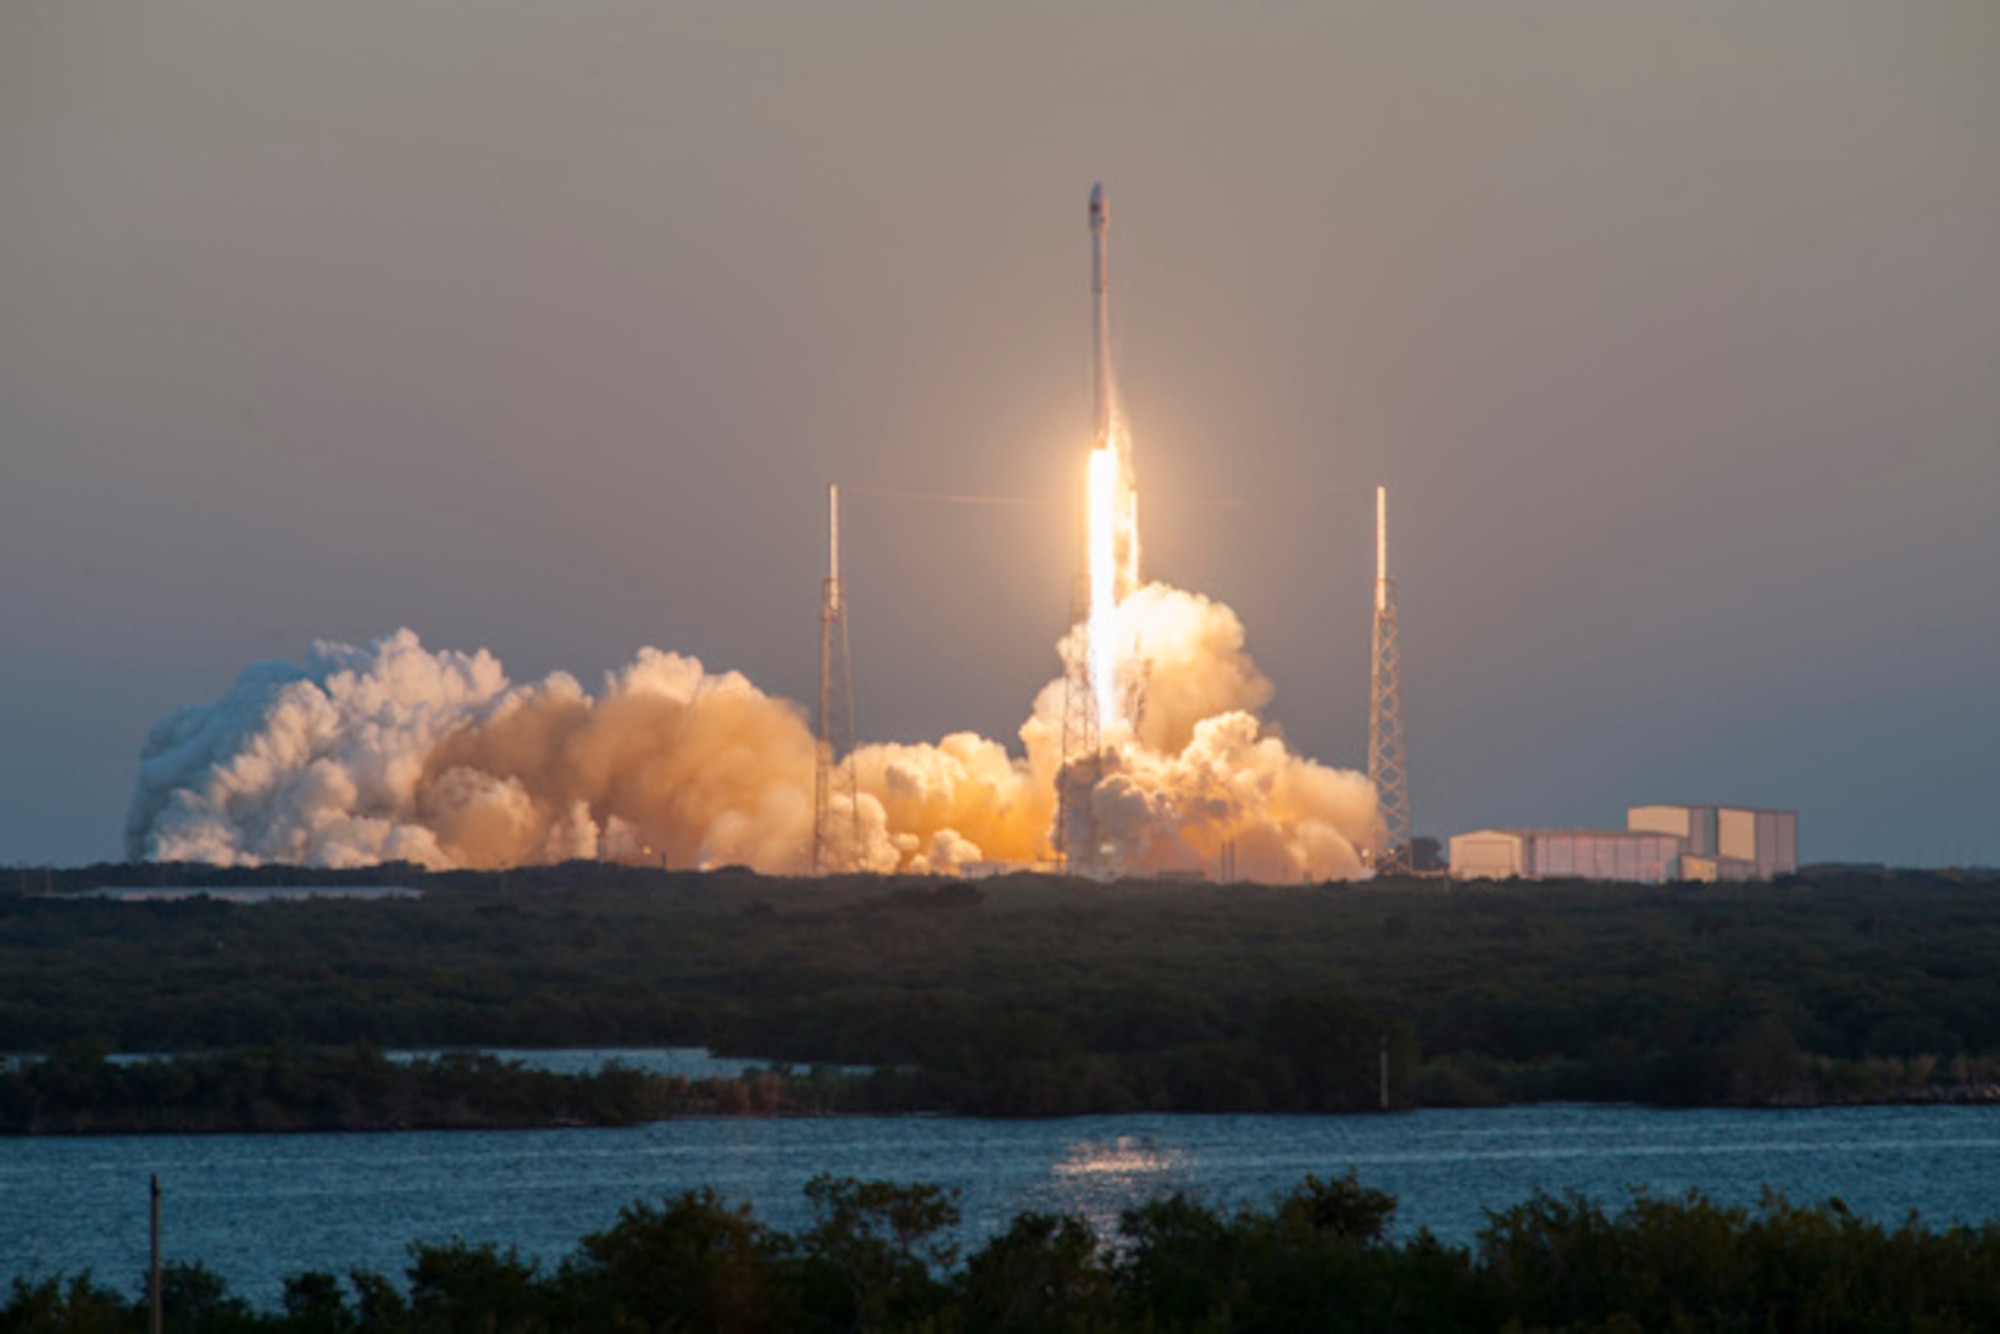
x: 1100, y: 301
x: 1381, y: 548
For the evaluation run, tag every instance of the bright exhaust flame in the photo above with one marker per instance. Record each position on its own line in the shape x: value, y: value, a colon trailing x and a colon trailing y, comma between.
x: 1111, y: 509
x: 1102, y: 507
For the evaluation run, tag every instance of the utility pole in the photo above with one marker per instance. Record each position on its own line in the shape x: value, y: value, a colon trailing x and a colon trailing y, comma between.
x: 154, y: 1296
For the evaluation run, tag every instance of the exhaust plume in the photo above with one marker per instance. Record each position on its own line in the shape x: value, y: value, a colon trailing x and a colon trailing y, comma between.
x: 396, y: 752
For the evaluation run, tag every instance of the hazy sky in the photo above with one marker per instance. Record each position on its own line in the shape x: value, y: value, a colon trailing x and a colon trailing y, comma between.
x: 1673, y: 328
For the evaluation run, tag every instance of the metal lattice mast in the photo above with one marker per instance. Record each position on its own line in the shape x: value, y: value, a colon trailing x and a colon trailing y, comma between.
x: 836, y: 835
x: 1388, y: 756
x: 1076, y: 825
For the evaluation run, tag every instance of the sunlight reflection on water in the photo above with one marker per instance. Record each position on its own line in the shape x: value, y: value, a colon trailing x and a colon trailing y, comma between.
x: 1098, y: 1180
x: 257, y: 1208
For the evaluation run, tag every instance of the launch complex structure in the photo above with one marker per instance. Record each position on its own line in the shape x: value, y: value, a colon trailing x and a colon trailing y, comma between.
x: 1388, y: 756
x: 836, y: 841
x: 1101, y: 694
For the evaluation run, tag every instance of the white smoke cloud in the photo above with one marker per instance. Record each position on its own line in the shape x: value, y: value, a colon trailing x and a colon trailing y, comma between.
x: 1196, y: 771
x: 396, y: 752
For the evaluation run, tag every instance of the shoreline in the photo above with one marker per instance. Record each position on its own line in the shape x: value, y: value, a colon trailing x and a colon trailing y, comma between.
x: 696, y: 1109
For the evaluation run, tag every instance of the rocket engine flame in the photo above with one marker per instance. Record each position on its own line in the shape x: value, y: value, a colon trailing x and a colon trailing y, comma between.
x: 1111, y: 502
x: 1101, y: 508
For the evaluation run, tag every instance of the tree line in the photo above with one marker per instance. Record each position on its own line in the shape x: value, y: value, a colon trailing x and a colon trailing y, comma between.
x: 1035, y: 995
x: 1324, y: 1256
x: 79, y: 1091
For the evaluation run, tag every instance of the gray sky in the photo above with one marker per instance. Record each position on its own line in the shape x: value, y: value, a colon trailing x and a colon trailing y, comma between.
x: 1674, y: 330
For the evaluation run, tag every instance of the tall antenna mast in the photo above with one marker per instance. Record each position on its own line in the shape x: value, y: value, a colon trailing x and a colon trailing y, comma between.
x: 1388, y: 756
x: 836, y: 840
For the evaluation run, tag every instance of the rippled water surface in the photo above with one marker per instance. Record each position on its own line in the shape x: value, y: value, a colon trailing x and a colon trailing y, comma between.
x: 256, y: 1208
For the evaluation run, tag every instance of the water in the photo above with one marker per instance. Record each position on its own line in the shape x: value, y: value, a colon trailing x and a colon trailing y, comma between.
x: 256, y: 1208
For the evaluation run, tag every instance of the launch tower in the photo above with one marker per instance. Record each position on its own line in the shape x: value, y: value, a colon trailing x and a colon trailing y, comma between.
x: 836, y: 836
x: 1388, y: 757
x: 1076, y: 826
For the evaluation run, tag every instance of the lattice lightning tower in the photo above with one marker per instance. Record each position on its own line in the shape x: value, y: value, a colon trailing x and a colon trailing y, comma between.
x: 1076, y: 824
x: 836, y: 838
x: 1388, y: 756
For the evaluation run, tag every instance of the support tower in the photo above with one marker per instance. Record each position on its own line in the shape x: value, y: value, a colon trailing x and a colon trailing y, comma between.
x: 836, y: 834
x: 1388, y: 755
x: 1082, y: 762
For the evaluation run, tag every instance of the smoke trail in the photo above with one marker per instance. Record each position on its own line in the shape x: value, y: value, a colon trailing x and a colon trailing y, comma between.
x: 392, y: 751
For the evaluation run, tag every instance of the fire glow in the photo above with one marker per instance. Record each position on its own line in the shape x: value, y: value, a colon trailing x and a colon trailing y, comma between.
x: 1102, y: 506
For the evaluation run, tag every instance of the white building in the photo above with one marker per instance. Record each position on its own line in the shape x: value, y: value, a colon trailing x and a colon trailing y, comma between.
x: 1726, y: 842
x: 1658, y: 844
x: 1585, y: 854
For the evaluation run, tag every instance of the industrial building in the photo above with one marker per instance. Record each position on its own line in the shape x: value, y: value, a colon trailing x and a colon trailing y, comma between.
x: 1583, y: 854
x: 1658, y: 844
x: 1726, y: 842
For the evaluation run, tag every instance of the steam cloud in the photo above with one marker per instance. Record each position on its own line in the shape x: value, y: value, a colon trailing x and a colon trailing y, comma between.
x: 395, y: 752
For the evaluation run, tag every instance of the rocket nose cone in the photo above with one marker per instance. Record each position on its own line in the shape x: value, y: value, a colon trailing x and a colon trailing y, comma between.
x: 1097, y: 198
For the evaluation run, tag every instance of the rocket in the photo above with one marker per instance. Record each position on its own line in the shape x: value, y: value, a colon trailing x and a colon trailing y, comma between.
x: 1110, y: 439
x: 1100, y: 300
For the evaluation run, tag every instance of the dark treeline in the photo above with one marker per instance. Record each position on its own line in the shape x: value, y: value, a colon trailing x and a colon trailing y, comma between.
x: 1037, y: 995
x: 80, y: 1091
x: 881, y: 1256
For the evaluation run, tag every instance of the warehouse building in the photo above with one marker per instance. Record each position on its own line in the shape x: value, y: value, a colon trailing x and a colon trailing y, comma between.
x: 1658, y: 844
x: 1583, y: 854
x: 1726, y: 842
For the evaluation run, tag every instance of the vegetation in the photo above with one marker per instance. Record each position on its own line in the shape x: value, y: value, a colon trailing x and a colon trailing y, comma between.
x: 880, y: 1256
x: 1035, y: 995
x: 278, y: 1089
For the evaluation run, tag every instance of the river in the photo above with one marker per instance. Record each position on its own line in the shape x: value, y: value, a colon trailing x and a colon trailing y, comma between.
x: 256, y: 1208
